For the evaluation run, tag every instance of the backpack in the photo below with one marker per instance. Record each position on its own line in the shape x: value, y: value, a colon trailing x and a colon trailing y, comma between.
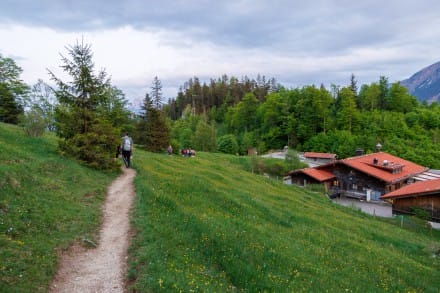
x: 127, y: 144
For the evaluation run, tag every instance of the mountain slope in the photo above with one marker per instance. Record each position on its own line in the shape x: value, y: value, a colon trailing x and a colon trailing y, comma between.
x: 425, y: 84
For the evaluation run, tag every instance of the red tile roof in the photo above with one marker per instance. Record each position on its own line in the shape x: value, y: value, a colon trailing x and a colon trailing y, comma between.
x: 319, y: 175
x: 418, y: 188
x: 383, y: 171
x: 319, y: 155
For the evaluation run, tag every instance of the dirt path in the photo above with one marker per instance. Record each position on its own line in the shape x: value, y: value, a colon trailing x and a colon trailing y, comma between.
x: 101, y: 269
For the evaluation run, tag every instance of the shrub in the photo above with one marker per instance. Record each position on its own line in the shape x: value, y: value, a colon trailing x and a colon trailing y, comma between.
x: 421, y: 213
x: 228, y: 144
x: 95, y: 148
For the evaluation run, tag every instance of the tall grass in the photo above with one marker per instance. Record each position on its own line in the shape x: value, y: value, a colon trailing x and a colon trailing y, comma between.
x: 203, y: 224
x: 46, y: 203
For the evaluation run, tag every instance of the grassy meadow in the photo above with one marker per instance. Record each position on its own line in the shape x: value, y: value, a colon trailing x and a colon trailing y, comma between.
x: 46, y: 203
x: 205, y: 225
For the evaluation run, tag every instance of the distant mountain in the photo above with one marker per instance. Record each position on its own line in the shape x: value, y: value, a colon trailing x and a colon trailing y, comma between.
x: 425, y: 84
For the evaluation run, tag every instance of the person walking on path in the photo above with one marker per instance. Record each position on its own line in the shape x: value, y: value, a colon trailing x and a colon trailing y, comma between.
x: 127, y: 149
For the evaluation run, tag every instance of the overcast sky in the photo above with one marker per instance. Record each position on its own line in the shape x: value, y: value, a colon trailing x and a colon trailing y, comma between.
x: 297, y: 42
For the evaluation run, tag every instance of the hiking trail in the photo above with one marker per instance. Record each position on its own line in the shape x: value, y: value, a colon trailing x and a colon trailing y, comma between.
x: 101, y: 269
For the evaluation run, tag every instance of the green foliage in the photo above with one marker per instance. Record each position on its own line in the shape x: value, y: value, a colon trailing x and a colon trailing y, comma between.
x: 244, y: 117
x: 368, y: 98
x: 89, y: 110
x: 248, y: 141
x: 114, y: 109
x: 206, y: 225
x: 342, y: 143
x: 152, y: 131
x: 47, y: 202
x: 421, y: 213
x: 95, y: 148
x: 205, y: 137
x: 12, y: 91
x: 400, y: 100
x: 316, y: 119
x: 228, y: 144
x: 347, y: 115
x: 271, y: 167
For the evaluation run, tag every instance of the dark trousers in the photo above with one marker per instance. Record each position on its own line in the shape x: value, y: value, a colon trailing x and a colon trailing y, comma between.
x: 126, y: 157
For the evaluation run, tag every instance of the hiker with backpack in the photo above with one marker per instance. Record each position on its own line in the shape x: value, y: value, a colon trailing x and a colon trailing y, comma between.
x: 127, y: 149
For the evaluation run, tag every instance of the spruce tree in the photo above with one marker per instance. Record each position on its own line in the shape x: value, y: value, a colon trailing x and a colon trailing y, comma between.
x: 156, y: 92
x: 153, y: 133
x: 82, y: 114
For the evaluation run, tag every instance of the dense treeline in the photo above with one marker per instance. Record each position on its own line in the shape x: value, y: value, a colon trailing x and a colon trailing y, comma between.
x: 264, y: 115
x: 220, y: 93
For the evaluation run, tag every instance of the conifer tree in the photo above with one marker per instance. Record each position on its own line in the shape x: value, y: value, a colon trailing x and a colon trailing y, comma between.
x: 82, y: 113
x: 156, y: 92
x: 153, y: 133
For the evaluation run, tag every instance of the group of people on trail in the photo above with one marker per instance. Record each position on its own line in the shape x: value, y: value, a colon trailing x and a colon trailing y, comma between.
x: 126, y: 149
x: 188, y: 152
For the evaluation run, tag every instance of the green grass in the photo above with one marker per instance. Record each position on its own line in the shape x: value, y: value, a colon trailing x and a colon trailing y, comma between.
x: 204, y: 224
x: 46, y: 203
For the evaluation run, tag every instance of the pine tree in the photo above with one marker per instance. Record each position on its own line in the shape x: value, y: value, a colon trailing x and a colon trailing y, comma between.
x: 82, y: 114
x: 353, y: 85
x: 153, y: 133
x: 156, y: 92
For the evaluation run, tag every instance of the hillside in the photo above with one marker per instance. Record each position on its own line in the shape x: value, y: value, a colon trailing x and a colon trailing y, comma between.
x: 425, y: 84
x: 46, y: 203
x: 202, y: 224
x: 205, y: 224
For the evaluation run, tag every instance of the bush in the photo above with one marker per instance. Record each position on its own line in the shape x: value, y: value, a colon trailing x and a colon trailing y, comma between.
x: 228, y: 144
x: 421, y: 213
x: 95, y: 148
x: 272, y: 167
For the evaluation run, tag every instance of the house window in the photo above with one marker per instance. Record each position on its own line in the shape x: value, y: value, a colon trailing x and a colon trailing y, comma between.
x: 354, y: 186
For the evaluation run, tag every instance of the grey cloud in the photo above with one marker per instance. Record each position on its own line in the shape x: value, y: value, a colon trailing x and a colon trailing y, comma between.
x: 290, y: 26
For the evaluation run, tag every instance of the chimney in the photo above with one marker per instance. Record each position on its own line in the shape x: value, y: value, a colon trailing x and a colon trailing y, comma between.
x: 378, y: 147
x: 359, y: 152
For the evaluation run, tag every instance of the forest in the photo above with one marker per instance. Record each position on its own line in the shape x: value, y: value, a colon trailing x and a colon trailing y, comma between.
x: 227, y: 114
x: 246, y: 114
